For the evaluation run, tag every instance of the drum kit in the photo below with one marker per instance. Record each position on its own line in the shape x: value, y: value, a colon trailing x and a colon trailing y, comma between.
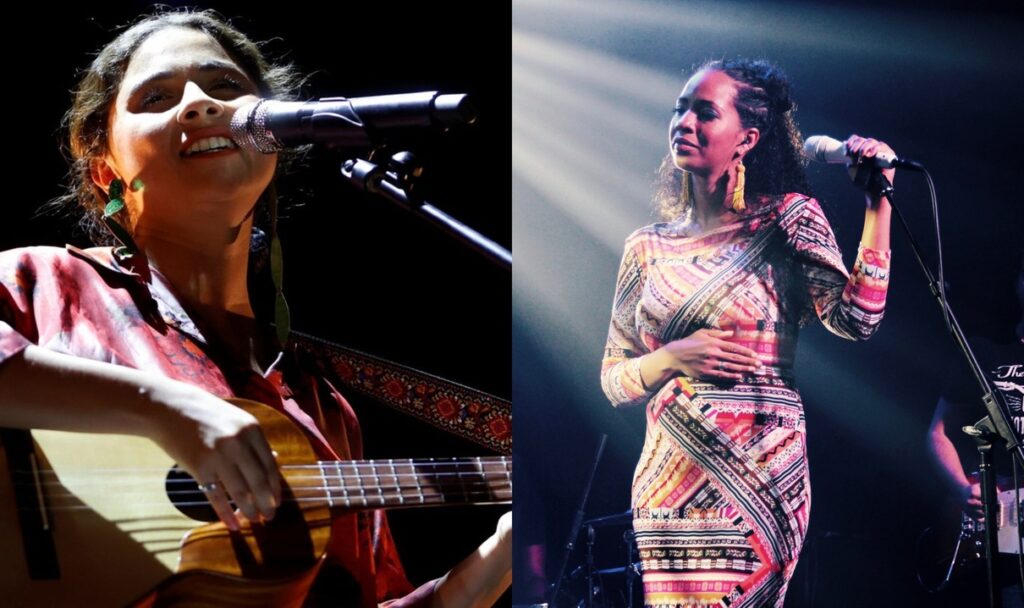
x: 586, y: 585
x: 612, y: 586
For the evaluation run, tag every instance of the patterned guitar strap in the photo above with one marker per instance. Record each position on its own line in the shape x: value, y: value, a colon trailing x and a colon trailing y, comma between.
x: 460, y: 410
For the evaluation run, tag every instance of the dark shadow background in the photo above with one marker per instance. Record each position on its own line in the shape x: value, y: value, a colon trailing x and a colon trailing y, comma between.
x: 358, y: 271
x: 593, y: 84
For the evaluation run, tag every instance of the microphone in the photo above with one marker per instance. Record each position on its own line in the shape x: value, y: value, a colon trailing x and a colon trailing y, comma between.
x: 356, y: 122
x: 824, y: 149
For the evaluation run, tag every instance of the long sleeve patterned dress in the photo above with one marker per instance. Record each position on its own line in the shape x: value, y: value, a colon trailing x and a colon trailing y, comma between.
x: 721, y: 493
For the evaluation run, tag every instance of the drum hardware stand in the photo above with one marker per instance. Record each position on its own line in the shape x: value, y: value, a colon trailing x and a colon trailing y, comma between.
x: 590, y: 566
x: 629, y: 538
x: 574, y: 531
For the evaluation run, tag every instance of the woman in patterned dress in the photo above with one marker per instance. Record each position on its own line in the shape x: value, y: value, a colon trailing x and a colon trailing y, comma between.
x: 703, y: 331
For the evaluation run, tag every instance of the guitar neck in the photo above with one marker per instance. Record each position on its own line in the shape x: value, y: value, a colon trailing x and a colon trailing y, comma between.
x: 404, y: 483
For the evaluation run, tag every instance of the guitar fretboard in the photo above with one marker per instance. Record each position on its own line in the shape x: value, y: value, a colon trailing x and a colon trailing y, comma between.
x: 388, y: 484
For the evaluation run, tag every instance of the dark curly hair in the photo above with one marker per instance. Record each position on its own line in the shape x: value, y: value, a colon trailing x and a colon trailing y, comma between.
x: 775, y: 165
x: 86, y: 123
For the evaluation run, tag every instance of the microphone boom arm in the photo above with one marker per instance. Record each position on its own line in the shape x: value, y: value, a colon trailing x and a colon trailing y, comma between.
x: 369, y: 177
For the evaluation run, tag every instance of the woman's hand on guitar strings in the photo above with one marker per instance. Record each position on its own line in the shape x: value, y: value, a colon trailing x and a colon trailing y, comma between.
x: 223, y: 448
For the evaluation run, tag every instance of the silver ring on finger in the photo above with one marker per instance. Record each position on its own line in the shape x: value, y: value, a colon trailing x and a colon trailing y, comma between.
x: 208, y: 487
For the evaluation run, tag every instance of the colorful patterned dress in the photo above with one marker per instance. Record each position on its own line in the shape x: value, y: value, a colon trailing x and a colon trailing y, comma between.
x: 721, y: 493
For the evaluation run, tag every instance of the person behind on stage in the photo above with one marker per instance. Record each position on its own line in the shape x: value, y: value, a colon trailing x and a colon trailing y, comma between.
x: 954, y: 452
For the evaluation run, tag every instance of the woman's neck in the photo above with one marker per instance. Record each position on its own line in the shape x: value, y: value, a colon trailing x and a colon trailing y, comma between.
x: 211, y: 283
x: 208, y: 270
x: 709, y: 201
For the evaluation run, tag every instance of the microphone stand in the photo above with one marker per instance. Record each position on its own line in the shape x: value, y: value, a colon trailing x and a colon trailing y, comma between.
x: 994, y: 426
x: 591, y: 536
x: 629, y: 538
x: 396, y: 185
x: 574, y: 530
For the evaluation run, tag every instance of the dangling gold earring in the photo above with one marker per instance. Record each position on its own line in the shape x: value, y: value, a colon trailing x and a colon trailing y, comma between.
x: 738, y: 204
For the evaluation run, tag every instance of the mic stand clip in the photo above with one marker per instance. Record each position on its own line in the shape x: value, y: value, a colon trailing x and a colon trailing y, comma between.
x: 396, y: 184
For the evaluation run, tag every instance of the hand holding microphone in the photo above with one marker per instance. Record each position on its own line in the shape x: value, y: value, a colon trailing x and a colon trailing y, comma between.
x: 867, y: 157
x: 871, y: 162
x: 825, y: 149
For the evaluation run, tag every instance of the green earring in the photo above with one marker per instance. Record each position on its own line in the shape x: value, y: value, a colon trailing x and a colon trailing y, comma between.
x: 116, y: 205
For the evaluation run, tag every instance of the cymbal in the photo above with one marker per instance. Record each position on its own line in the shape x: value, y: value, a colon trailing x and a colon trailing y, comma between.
x: 619, y: 519
x: 635, y: 567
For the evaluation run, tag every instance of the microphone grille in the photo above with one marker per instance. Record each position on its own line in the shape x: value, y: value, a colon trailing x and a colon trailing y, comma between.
x: 249, y: 128
x: 824, y: 149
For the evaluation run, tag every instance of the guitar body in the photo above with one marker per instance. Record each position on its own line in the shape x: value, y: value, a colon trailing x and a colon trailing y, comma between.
x: 947, y: 553
x: 1009, y: 532
x: 120, y: 540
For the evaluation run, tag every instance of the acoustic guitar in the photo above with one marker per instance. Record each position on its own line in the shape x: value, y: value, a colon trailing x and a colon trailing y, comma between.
x: 108, y: 520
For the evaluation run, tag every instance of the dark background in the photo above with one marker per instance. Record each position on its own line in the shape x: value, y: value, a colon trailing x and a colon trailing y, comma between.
x: 941, y: 83
x: 358, y: 271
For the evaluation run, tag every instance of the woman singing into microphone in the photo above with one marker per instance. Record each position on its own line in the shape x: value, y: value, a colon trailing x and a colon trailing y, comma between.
x: 149, y: 337
x: 704, y: 325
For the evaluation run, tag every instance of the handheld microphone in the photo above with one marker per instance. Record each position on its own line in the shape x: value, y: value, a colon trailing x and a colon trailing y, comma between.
x: 824, y: 149
x: 357, y: 122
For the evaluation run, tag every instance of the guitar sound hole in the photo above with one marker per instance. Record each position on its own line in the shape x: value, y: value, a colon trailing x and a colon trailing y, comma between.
x: 185, y: 495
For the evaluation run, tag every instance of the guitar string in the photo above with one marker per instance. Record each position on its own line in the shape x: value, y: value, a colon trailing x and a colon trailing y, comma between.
x: 352, y: 472
x: 340, y: 488
x: 358, y: 479
x: 342, y: 471
x: 360, y: 483
x: 373, y: 493
x: 323, y: 503
x: 457, y: 496
x: 321, y: 483
x: 335, y: 490
x: 356, y: 465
